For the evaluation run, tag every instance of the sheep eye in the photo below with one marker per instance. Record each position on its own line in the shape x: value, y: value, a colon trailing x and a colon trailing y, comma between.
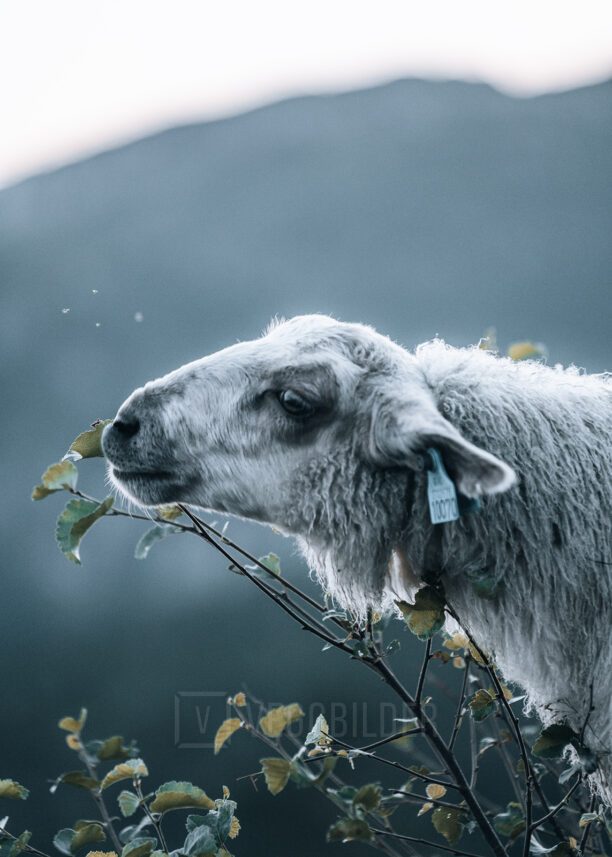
x: 295, y: 404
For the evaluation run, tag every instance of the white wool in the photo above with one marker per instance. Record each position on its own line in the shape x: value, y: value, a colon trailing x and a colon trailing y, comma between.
x: 533, y: 442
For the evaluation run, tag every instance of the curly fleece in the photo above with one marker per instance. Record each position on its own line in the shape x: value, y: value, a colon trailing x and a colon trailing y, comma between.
x: 533, y: 442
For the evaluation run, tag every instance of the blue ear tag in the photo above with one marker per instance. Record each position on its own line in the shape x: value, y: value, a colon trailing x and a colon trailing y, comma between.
x: 441, y: 492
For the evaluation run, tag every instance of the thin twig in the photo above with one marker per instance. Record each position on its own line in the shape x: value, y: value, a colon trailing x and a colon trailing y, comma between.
x: 394, y: 737
x: 282, y: 602
x: 587, y: 830
x: 151, y: 817
x: 422, y: 674
x: 415, y: 798
x: 28, y: 848
x: 459, y: 712
x: 399, y: 766
x: 531, y: 779
x: 100, y: 803
x: 424, y: 842
x: 540, y: 821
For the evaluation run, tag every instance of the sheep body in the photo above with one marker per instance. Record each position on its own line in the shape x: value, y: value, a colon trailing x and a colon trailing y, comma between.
x: 353, y: 490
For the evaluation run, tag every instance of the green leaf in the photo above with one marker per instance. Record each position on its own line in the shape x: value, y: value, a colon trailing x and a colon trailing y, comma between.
x: 272, y: 563
x: 80, y: 779
x: 12, y: 848
x: 329, y: 763
x: 483, y: 582
x: 586, y: 757
x: 128, y: 803
x: 58, y: 477
x: 68, y: 841
x: 139, y: 847
x: 78, y: 516
x: 349, y: 830
x: 180, y: 795
x: 319, y: 734
x: 224, y: 815
x: 276, y: 773
x: 511, y: 822
x: 89, y: 443
x: 199, y: 842
x: 155, y: 534
x: 113, y: 748
x: 133, y: 769
x: 553, y: 740
x: 448, y: 822
x: 481, y: 704
x: 426, y: 615
x: 86, y: 833
x: 587, y: 818
x: 368, y: 797
x: 63, y: 839
x: 13, y: 790
x: 276, y: 720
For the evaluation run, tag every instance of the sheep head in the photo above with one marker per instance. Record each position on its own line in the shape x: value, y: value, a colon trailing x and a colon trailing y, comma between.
x: 317, y: 427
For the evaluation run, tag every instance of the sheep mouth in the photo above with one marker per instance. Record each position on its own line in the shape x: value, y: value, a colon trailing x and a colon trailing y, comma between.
x: 146, y: 475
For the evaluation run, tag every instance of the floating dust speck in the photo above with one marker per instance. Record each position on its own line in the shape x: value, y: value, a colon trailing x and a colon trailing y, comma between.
x: 66, y: 310
x: 138, y: 316
x: 98, y: 324
x: 94, y: 291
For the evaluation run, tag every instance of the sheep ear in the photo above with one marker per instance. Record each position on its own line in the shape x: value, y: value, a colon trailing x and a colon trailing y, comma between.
x: 401, y: 433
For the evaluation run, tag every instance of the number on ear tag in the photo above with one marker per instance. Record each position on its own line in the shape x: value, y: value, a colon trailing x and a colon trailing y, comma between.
x: 441, y: 492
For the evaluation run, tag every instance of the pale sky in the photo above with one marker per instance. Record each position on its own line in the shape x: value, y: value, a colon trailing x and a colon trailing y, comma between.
x: 79, y: 76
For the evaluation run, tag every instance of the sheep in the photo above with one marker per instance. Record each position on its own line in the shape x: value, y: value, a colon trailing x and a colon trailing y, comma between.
x: 322, y: 429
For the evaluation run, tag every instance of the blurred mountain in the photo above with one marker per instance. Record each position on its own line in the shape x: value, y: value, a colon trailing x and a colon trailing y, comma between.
x: 423, y: 208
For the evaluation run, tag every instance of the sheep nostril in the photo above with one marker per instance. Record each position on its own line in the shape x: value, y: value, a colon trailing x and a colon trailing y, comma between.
x: 127, y: 428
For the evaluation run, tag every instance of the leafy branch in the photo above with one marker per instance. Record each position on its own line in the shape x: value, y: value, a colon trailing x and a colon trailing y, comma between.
x: 314, y: 760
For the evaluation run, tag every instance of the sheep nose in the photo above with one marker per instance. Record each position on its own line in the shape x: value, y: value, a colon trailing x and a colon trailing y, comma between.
x: 127, y: 427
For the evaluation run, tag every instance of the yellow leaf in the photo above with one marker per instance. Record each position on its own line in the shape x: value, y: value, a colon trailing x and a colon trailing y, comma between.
x: 57, y: 477
x: 180, y: 795
x: 425, y: 808
x: 426, y: 615
x: 13, y: 790
x: 86, y: 833
x: 456, y: 642
x: 234, y: 828
x: 316, y: 751
x: 527, y: 351
x: 435, y: 791
x: 273, y: 723
x: 225, y: 731
x: 240, y: 700
x: 459, y: 663
x: 276, y: 773
x: 226, y: 792
x: 169, y: 513
x: 131, y: 770
x: 89, y: 443
x: 476, y: 656
x: 101, y: 854
x: 73, y: 742
x: 71, y: 724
